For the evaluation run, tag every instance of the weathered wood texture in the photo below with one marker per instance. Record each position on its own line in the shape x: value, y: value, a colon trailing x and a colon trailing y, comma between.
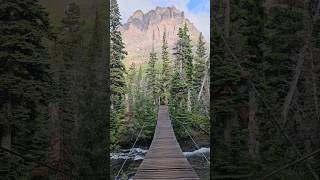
x: 165, y: 159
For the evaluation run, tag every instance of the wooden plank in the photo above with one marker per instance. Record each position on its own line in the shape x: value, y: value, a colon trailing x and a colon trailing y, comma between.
x: 165, y: 159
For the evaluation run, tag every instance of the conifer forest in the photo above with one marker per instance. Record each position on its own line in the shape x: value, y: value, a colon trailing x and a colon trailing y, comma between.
x: 179, y: 79
x: 136, y: 91
x: 79, y: 101
x: 264, y: 89
x: 53, y: 92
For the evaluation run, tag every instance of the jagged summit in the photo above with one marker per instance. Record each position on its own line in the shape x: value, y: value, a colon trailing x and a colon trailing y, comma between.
x: 142, y: 21
x: 137, y: 15
x: 138, y: 31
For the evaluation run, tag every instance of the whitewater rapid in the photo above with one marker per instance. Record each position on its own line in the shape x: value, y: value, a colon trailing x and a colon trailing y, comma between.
x: 138, y: 153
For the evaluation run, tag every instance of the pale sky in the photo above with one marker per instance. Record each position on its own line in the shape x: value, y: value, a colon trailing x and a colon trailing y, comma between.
x: 197, y: 11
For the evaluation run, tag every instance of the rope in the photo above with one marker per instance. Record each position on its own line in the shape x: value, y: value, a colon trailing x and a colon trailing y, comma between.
x: 130, y: 151
x: 35, y: 161
x: 194, y: 141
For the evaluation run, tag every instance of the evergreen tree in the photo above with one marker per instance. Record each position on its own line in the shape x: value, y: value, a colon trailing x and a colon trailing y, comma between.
x: 139, y: 83
x: 199, y: 63
x: 165, y: 74
x: 117, y: 55
x: 25, y: 85
x: 226, y: 90
x: 90, y: 143
x: 183, y: 71
x: 252, y: 28
x: 131, y: 88
x: 117, y: 71
x: 187, y: 55
x: 151, y: 76
x: 270, y: 44
x: 68, y: 45
x: 144, y: 113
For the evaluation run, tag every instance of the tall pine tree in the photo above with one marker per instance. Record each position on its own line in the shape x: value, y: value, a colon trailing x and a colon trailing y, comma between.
x: 117, y: 72
x: 165, y: 73
x: 199, y: 63
x: 131, y: 88
x: 151, y: 76
x: 90, y: 142
x: 68, y: 45
x: 184, y: 62
x: 24, y: 85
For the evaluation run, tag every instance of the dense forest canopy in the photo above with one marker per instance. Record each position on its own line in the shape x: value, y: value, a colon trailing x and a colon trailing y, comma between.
x: 264, y: 88
x: 264, y: 99
x: 53, y: 94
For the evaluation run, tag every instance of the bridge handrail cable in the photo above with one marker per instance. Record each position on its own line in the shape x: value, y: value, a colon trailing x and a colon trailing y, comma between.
x: 130, y: 151
x: 193, y: 141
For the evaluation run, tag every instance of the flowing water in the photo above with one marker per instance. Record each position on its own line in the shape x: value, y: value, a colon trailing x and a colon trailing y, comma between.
x: 134, y: 159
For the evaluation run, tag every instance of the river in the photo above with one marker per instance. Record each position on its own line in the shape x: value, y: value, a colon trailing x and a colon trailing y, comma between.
x: 194, y: 156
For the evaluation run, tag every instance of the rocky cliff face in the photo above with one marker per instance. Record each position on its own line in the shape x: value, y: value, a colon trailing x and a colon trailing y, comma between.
x: 140, y: 29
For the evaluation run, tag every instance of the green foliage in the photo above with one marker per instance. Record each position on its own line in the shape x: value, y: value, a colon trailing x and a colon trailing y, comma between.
x: 131, y: 88
x: 184, y: 84
x: 182, y: 74
x: 90, y: 146
x: 117, y: 68
x: 199, y: 63
x: 268, y: 40
x: 283, y: 38
x: 144, y: 114
x: 25, y: 85
x: 184, y: 55
x: 65, y: 61
x: 177, y: 104
x: 178, y: 91
x: 166, y: 72
x: 172, y: 87
x: 151, y: 76
x: 138, y: 82
x: 53, y: 93
x: 117, y: 72
x: 181, y: 117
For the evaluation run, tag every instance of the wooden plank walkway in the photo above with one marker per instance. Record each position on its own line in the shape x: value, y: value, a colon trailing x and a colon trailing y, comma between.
x: 165, y: 159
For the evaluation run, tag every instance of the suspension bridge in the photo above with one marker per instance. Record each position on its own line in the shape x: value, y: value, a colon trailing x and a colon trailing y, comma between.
x: 164, y: 159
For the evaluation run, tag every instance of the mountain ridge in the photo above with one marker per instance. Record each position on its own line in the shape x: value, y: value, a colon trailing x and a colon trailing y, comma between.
x: 142, y: 31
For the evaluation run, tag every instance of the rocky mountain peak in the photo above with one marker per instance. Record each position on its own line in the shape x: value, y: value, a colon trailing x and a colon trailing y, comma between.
x: 168, y: 11
x: 142, y: 21
x: 141, y: 28
x: 138, y: 14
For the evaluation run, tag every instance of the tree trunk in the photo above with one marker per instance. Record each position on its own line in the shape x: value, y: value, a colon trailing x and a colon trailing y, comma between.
x: 316, y: 16
x: 253, y: 143
x: 314, y: 83
x: 6, y: 134
x: 301, y: 58
x: 293, y: 86
x: 55, y: 139
x: 226, y: 18
x: 228, y: 131
x: 228, y: 121
x: 202, y: 85
x: 6, y: 137
x: 189, y: 100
